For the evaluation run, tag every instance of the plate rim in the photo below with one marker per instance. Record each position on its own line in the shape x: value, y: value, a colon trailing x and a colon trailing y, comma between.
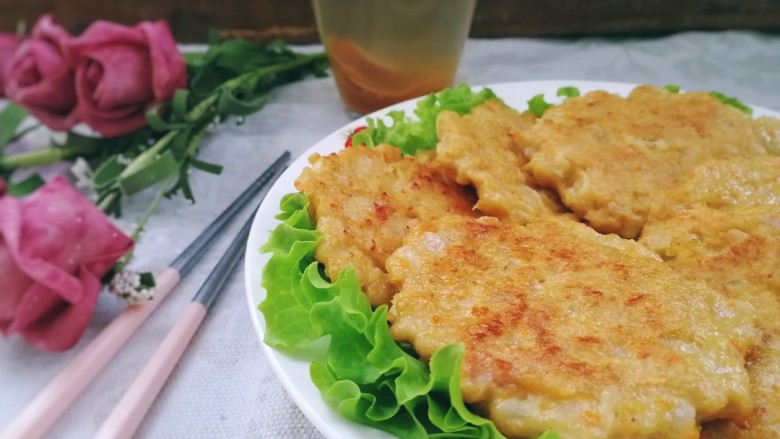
x: 324, y: 421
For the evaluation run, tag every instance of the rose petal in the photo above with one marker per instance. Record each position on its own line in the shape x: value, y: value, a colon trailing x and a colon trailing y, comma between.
x: 89, y: 110
x: 63, y: 245
x: 52, y: 324
x: 169, y: 68
x: 40, y: 80
x: 82, y: 233
x: 101, y: 32
x: 38, y: 269
x: 139, y: 67
x: 122, y: 66
x: 97, y: 35
x: 111, y: 123
x: 14, y: 283
x: 38, y: 77
x: 8, y: 44
x: 46, y: 29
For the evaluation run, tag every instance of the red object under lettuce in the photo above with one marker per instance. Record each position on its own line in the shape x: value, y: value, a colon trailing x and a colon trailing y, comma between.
x: 55, y: 246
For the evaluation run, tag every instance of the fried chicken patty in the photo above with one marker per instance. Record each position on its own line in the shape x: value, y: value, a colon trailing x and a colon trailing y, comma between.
x: 767, y: 129
x: 564, y: 328
x: 484, y: 148
x: 721, y: 184
x: 736, y: 250
x: 365, y: 200
x: 607, y: 155
x: 764, y: 421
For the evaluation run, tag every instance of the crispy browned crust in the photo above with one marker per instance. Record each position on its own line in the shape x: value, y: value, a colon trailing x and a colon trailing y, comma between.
x: 767, y: 130
x: 486, y: 148
x: 365, y: 200
x: 565, y: 328
x: 735, y: 250
x: 721, y: 184
x: 607, y: 155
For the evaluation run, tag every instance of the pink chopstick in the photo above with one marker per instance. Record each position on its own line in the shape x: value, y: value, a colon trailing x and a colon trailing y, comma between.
x: 49, y: 405
x: 139, y: 397
x: 41, y: 414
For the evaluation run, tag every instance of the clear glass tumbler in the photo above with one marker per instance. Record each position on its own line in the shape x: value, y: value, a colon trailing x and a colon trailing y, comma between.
x: 386, y: 51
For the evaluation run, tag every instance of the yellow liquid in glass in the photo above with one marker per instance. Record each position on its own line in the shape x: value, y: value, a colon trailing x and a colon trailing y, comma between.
x: 383, y: 52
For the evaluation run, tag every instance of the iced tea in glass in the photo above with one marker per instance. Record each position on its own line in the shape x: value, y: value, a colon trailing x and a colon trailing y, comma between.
x: 386, y: 51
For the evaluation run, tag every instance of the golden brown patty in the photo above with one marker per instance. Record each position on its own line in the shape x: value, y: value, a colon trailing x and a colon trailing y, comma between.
x: 767, y: 130
x: 565, y: 328
x: 736, y: 250
x: 764, y: 421
x: 607, y: 155
x: 364, y: 201
x: 721, y: 184
x: 485, y: 148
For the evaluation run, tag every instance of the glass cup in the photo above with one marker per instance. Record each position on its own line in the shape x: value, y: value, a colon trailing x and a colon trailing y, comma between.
x: 386, y: 51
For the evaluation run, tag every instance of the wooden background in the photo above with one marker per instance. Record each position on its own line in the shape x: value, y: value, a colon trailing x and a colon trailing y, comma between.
x: 293, y: 20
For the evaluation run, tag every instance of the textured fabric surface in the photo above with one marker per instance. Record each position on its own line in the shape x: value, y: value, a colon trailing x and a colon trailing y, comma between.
x: 224, y: 387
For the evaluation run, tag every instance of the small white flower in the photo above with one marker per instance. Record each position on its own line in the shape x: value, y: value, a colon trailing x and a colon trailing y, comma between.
x: 83, y: 173
x: 127, y: 285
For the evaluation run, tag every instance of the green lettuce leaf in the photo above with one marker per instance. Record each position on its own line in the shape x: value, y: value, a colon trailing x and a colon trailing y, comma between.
x: 360, y: 370
x: 568, y: 92
x: 409, y: 134
x: 734, y: 102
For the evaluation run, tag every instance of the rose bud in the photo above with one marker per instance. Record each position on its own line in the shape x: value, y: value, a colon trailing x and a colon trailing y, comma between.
x: 123, y: 71
x: 38, y: 78
x: 55, y: 246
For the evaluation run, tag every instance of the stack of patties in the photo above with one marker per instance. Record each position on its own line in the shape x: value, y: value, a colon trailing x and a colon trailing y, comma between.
x: 566, y: 325
x: 723, y: 227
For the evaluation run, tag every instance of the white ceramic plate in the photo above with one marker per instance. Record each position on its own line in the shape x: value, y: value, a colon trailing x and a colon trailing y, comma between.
x: 294, y: 372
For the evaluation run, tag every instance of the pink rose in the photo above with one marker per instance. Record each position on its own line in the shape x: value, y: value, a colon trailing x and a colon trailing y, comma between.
x: 8, y: 44
x: 55, y: 246
x: 38, y: 78
x: 123, y: 71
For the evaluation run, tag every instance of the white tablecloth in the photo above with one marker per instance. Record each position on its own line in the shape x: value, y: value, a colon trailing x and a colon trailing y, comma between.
x: 223, y: 387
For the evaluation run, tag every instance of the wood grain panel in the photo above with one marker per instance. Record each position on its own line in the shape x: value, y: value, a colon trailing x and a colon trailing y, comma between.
x: 293, y: 19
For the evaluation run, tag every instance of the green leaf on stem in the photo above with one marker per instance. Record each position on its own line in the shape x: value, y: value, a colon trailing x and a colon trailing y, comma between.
x: 158, y: 170
x: 179, y: 105
x: 157, y: 123
x: 211, y: 168
x: 26, y: 186
x: 107, y: 173
x: 11, y: 117
x: 183, y: 185
x: 180, y: 143
x: 229, y: 103
x: 109, y: 202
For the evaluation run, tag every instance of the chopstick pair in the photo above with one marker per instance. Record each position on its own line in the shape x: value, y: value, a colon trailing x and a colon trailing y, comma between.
x: 43, y: 412
x: 132, y: 408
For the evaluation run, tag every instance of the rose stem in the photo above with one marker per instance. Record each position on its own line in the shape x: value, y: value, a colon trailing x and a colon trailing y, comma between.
x: 37, y: 158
